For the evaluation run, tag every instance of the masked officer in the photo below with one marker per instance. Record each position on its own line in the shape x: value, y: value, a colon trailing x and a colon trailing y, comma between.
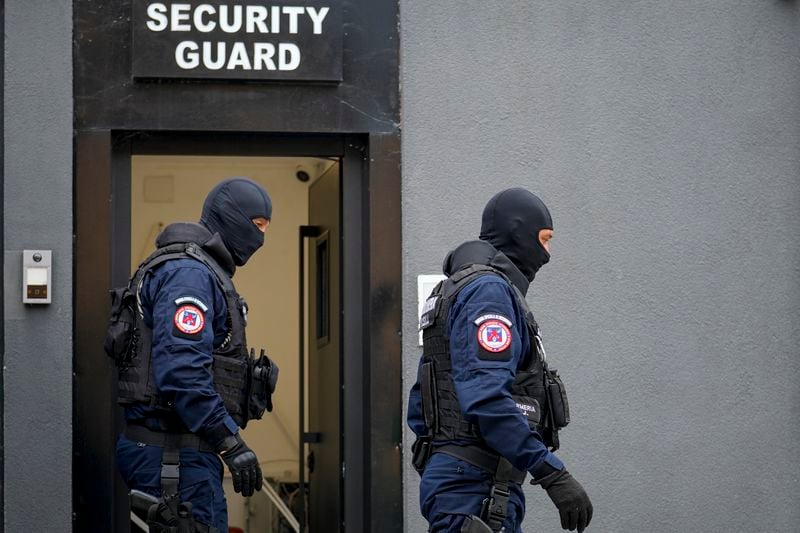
x: 486, y: 406
x: 184, y: 382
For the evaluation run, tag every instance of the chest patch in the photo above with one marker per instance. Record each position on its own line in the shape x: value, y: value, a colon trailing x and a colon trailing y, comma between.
x: 428, y: 312
x: 494, y: 335
x: 189, y: 320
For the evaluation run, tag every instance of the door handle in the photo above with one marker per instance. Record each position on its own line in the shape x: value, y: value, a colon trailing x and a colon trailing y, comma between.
x: 310, y: 462
x: 312, y: 438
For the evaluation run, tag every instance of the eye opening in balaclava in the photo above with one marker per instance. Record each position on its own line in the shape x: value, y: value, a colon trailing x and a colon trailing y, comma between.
x: 229, y: 210
x: 512, y: 220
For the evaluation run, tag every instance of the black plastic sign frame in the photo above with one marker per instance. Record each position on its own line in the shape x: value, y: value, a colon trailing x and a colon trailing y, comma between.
x: 237, y: 40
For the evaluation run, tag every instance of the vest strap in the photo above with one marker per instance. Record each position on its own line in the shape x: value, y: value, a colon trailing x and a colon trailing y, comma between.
x: 170, y: 472
x: 170, y: 481
x: 472, y: 269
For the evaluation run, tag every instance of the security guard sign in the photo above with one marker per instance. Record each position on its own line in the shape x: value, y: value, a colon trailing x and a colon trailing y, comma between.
x: 235, y: 39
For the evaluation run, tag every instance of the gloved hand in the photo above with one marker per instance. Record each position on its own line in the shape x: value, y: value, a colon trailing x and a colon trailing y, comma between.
x: 243, y: 464
x: 569, y: 497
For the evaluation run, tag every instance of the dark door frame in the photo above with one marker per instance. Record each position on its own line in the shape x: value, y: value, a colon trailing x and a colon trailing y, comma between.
x: 2, y: 286
x: 371, y: 307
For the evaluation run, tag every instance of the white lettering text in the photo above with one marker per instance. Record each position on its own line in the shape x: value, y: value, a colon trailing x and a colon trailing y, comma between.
x: 186, y: 55
x: 180, y: 14
x: 317, y: 18
x: 213, y: 64
x: 289, y: 56
x: 294, y: 13
x: 256, y: 16
x: 262, y: 56
x: 204, y: 9
x: 226, y: 25
x: 276, y: 19
x: 239, y: 57
x: 158, y: 16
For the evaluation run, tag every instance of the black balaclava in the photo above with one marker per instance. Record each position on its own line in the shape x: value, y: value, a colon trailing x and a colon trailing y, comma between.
x: 229, y: 210
x: 511, y: 223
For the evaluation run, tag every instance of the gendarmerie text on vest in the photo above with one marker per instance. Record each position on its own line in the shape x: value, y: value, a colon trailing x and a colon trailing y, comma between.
x: 234, y: 19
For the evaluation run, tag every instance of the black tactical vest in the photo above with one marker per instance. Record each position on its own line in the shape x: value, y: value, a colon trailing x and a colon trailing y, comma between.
x: 129, y: 342
x: 537, y: 390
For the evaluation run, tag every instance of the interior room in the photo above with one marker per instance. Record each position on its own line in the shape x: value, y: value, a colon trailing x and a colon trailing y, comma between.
x: 166, y: 189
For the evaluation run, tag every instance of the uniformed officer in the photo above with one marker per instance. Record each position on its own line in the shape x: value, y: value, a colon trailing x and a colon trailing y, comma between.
x: 486, y: 406
x: 193, y: 328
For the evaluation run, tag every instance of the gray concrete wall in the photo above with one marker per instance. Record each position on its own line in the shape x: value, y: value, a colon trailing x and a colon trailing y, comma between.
x: 665, y: 137
x: 37, y: 374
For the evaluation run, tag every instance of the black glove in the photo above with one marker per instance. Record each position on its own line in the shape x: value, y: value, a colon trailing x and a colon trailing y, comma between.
x: 243, y: 464
x: 571, y: 500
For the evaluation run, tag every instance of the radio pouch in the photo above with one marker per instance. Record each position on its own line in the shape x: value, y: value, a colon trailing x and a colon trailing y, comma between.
x: 263, y: 381
x: 557, y: 396
x: 120, y: 339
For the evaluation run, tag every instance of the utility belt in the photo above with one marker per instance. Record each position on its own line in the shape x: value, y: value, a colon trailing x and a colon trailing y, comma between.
x: 495, y: 505
x: 483, y: 459
x: 167, y: 514
x: 164, y: 439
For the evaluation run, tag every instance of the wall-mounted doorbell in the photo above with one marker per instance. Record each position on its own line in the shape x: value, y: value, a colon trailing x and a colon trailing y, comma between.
x: 37, y: 276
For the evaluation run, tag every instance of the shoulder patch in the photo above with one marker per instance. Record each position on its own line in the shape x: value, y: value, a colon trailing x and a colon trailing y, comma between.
x: 494, y: 335
x: 189, y: 321
x: 483, y: 318
x: 191, y: 300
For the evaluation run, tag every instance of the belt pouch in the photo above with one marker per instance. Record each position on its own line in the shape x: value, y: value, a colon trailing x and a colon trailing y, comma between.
x: 557, y: 395
x: 427, y: 385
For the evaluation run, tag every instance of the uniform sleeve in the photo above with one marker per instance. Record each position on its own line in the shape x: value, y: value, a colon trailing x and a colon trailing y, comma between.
x: 486, y: 345
x: 186, y: 303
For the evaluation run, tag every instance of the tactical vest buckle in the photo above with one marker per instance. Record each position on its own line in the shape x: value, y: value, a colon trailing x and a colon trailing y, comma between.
x: 169, y: 471
x: 497, y: 491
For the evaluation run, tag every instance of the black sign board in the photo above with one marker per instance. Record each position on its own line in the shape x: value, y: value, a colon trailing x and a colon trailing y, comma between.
x: 238, y: 39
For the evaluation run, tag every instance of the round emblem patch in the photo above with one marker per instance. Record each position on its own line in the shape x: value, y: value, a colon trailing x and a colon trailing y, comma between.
x: 189, y: 319
x: 494, y: 336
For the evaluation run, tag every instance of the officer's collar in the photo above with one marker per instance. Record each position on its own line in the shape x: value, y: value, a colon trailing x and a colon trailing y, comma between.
x: 181, y: 232
x: 483, y: 253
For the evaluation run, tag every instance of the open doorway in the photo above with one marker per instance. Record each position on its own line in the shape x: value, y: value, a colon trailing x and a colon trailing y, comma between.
x: 363, y: 486
x: 306, y: 194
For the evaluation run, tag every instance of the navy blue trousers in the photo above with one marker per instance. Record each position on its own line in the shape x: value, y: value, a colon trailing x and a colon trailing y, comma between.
x: 200, y: 478
x: 451, y: 490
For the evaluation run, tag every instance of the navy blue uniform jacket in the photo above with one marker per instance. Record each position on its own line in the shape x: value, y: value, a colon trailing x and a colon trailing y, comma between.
x: 182, y: 364
x: 483, y: 386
